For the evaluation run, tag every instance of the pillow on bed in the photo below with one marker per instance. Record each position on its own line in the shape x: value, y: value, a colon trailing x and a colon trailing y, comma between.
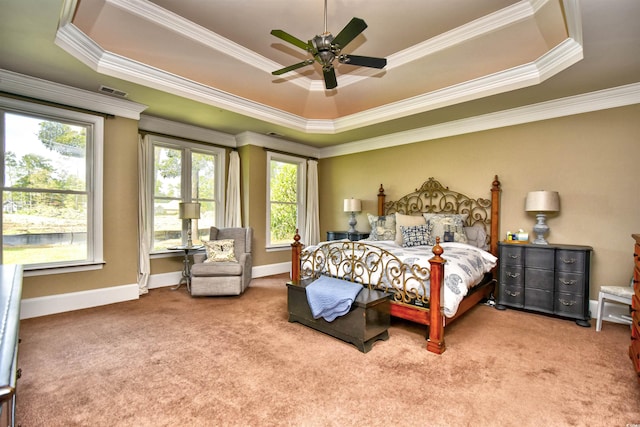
x: 477, y: 236
x: 415, y: 235
x: 407, y: 221
x: 449, y: 227
x: 220, y: 251
x: 383, y: 227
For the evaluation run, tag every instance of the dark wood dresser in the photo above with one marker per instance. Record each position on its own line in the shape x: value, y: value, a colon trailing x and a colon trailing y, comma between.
x: 634, y: 348
x: 552, y: 279
x: 10, y: 296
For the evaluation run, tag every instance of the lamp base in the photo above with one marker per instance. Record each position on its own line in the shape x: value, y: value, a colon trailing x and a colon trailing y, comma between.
x: 541, y: 228
x: 352, y: 223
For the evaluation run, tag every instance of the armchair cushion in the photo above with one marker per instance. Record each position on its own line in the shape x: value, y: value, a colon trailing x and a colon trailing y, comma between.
x: 220, y: 251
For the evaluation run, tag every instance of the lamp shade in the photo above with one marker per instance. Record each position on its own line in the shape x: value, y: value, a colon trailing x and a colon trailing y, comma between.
x: 542, y: 201
x: 352, y: 205
x: 189, y: 210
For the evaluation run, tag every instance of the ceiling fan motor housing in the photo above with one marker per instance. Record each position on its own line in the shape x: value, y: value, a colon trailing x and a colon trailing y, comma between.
x: 326, y: 52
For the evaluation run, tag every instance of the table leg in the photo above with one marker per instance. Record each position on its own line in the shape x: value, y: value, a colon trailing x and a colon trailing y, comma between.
x: 186, y: 273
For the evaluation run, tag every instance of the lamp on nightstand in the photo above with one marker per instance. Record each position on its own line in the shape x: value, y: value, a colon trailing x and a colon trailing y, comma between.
x: 189, y: 211
x: 353, y: 206
x: 542, y: 202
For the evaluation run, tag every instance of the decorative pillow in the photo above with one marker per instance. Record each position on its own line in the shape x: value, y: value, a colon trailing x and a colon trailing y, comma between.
x: 415, y: 235
x: 477, y: 236
x: 449, y: 227
x: 382, y: 227
x: 407, y: 221
x: 220, y: 251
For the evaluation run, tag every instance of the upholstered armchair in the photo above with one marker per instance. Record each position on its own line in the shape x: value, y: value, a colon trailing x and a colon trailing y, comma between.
x: 226, y: 267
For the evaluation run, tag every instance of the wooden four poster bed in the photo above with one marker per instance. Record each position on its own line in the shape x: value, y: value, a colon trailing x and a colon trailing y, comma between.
x: 418, y: 289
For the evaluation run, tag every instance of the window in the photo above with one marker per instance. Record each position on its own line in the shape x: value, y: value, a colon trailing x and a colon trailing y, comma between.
x: 285, y: 190
x: 51, y: 186
x: 189, y: 172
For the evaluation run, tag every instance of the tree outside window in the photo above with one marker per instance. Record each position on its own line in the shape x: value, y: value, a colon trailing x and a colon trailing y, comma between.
x: 286, y: 195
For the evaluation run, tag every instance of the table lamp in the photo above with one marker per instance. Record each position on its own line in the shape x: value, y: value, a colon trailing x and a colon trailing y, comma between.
x: 542, y: 202
x: 352, y: 206
x: 189, y: 211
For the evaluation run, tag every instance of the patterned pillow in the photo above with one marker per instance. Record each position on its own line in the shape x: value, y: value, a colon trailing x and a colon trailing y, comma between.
x: 407, y: 221
x: 382, y: 227
x: 449, y: 227
x: 415, y: 235
x: 220, y: 251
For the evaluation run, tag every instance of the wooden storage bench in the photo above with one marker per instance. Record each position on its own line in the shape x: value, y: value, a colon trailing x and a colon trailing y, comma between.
x: 366, y: 323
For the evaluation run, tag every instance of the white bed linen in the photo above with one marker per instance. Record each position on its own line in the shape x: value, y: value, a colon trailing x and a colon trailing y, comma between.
x: 465, y: 267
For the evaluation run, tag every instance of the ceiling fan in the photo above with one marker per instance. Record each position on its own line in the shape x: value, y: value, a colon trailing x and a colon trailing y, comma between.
x: 325, y: 49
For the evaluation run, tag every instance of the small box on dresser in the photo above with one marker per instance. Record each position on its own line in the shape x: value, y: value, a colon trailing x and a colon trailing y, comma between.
x: 551, y: 279
x: 634, y: 348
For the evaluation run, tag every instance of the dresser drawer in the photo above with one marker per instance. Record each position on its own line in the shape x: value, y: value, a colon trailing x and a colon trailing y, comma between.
x: 539, y: 300
x: 571, y: 261
x: 512, y: 275
x: 539, y: 279
x: 512, y: 255
x: 511, y: 295
x: 539, y: 258
x: 570, y: 305
x: 634, y: 354
x: 570, y: 282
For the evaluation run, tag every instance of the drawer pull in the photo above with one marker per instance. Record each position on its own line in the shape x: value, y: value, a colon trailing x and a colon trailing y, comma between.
x: 513, y: 256
x: 566, y: 303
x: 511, y: 294
x: 19, y: 373
x: 513, y: 275
x: 568, y: 282
x: 568, y: 260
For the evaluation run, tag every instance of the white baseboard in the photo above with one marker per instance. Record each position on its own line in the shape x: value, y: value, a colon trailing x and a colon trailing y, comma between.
x: 53, y: 304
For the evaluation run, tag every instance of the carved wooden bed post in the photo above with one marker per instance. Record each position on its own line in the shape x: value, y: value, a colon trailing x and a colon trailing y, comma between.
x: 381, y: 196
x: 435, y: 342
x: 296, y: 248
x: 495, y: 215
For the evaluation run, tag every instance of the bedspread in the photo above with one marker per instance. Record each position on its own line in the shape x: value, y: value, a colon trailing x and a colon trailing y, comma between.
x: 465, y: 267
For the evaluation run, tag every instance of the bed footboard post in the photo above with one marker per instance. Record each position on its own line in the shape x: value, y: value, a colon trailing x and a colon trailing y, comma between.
x: 435, y: 344
x: 495, y: 215
x: 296, y: 248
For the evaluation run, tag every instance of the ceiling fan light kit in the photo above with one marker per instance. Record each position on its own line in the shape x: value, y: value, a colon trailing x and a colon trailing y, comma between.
x: 325, y: 49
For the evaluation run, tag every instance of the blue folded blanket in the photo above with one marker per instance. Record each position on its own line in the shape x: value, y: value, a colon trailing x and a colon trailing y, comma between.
x: 330, y: 298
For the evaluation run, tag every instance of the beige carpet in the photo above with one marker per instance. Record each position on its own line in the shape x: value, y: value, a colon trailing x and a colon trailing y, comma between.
x: 172, y: 360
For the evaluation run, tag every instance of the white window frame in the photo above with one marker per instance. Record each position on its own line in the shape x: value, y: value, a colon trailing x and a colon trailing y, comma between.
x: 95, y: 156
x: 301, y: 192
x: 187, y: 147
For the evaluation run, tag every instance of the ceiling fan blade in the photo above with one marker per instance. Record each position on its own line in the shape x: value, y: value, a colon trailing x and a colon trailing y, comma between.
x: 349, y: 32
x: 292, y: 67
x: 363, y: 61
x: 330, y: 81
x: 291, y: 39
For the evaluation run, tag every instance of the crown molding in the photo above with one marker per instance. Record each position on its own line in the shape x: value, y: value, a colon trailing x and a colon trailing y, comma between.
x: 44, y: 90
x: 76, y: 43
x: 600, y: 100
x: 183, y: 130
x: 269, y: 142
x: 157, y: 15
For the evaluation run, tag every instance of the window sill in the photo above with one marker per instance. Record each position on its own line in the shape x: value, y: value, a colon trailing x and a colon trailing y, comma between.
x: 45, y: 271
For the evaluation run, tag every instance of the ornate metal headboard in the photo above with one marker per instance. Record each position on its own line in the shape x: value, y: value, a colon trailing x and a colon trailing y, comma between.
x: 433, y: 197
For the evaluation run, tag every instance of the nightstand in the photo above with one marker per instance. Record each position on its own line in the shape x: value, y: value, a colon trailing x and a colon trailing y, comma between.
x: 552, y: 279
x: 339, y: 235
